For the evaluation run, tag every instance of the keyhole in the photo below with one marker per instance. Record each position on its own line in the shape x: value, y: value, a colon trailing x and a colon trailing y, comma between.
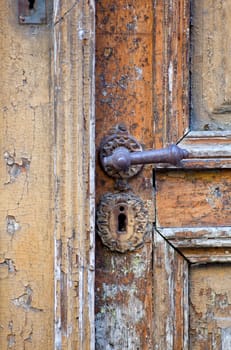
x: 31, y: 4
x: 122, y: 221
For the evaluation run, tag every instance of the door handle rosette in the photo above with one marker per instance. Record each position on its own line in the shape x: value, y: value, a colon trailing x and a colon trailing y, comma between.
x: 122, y: 156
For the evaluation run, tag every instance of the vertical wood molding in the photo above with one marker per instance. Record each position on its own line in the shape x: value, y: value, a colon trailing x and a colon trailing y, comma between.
x: 74, y: 172
x: 170, y: 297
x: 171, y: 70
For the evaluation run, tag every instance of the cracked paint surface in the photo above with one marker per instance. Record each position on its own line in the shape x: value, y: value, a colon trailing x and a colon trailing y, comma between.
x: 210, y: 307
x: 26, y: 255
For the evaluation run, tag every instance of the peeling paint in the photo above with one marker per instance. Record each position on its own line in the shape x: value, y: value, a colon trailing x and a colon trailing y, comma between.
x: 210, y: 306
x: 12, y: 225
x: 10, y: 265
x: 11, y: 341
x: 170, y: 77
x: 25, y: 300
x: 122, y: 330
x: 139, y: 73
x: 226, y: 339
x: 14, y: 168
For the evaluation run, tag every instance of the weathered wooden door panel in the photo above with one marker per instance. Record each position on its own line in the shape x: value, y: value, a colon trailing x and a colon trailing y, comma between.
x: 210, y: 38
x: 124, y: 312
x: 193, y: 206
x: 193, y: 198
x: 190, y: 245
x: 47, y: 177
x: 26, y: 141
x: 192, y: 296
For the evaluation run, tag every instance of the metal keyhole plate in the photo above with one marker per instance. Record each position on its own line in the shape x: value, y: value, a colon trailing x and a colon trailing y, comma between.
x: 121, y: 220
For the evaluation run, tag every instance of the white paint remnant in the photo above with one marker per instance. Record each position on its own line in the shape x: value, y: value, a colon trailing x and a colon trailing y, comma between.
x: 139, y: 73
x: 226, y: 339
x: 82, y: 34
x: 56, y: 7
x: 12, y: 225
x: 122, y: 330
x: 170, y: 77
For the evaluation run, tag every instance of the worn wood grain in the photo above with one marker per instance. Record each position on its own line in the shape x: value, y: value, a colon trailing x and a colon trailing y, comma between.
x: 210, y: 65
x: 193, y: 198
x: 201, y: 255
x: 171, y: 70
x: 192, y: 206
x: 73, y: 64
x: 26, y: 186
x: 124, y: 66
x: 210, y: 307
x: 178, y: 85
x: 201, y: 237
x: 47, y: 179
x: 207, y: 149
x: 170, y: 297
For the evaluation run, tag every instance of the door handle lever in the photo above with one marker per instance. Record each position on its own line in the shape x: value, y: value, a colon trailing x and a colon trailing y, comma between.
x: 122, y: 156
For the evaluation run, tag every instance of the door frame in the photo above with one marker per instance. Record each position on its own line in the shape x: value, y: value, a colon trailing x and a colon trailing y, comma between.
x: 72, y: 63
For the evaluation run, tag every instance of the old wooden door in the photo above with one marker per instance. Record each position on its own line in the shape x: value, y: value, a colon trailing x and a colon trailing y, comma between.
x: 163, y: 72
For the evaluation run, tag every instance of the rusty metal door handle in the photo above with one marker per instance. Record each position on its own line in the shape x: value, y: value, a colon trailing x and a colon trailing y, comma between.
x: 122, y: 156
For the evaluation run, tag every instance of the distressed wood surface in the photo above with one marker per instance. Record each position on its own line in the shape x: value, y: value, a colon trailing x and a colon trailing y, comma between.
x: 210, y: 65
x: 185, y: 200
x: 200, y: 244
x: 173, y: 120
x: 171, y: 70
x: 47, y: 179
x: 26, y: 186
x: 197, y: 236
x: 210, y: 307
x: 193, y: 198
x: 201, y: 255
x: 170, y: 297
x: 207, y: 149
x: 73, y: 63
x: 124, y: 59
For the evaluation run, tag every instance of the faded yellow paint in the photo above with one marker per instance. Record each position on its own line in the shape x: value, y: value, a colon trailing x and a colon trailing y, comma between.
x: 26, y: 185
x: 47, y: 179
